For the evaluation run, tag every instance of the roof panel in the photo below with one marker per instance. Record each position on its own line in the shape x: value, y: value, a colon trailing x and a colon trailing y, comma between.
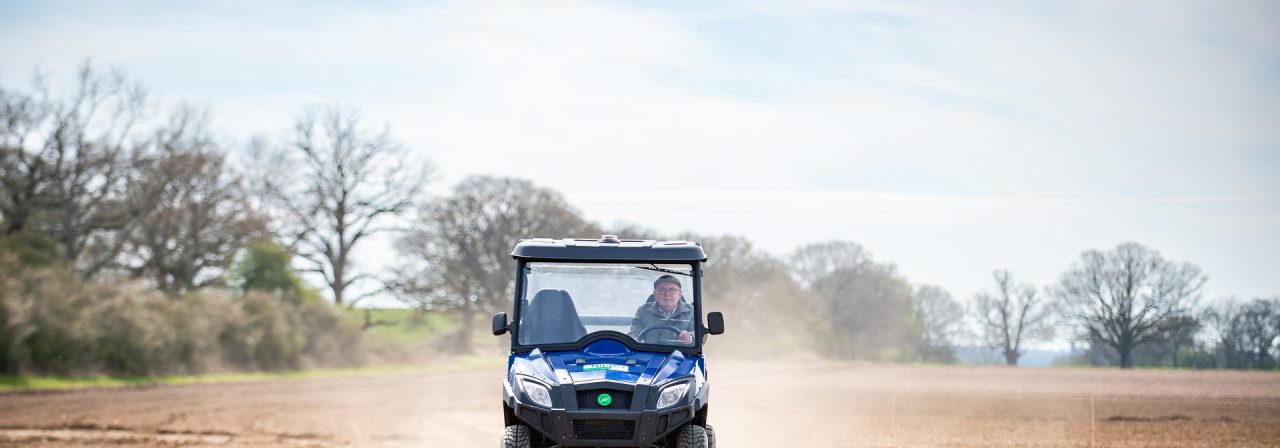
x: 569, y: 249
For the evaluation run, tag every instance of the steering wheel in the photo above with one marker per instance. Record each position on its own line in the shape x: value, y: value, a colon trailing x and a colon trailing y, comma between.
x: 640, y: 337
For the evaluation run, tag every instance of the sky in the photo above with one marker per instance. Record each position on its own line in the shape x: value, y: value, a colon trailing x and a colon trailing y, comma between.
x: 948, y: 139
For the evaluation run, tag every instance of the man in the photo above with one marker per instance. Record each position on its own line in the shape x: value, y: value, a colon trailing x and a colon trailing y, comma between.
x: 665, y: 310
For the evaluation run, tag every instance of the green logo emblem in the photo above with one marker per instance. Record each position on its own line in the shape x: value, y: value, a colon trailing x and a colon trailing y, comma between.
x: 604, y: 399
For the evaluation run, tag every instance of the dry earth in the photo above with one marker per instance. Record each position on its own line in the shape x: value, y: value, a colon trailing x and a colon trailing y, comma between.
x: 800, y: 404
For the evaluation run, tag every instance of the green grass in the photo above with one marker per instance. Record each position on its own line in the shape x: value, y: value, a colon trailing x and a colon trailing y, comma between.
x: 34, y: 383
x: 405, y: 327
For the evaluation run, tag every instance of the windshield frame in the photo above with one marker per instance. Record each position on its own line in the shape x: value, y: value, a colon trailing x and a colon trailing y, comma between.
x: 699, y: 333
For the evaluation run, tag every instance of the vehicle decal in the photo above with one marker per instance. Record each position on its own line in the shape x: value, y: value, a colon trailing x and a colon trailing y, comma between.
x: 614, y: 367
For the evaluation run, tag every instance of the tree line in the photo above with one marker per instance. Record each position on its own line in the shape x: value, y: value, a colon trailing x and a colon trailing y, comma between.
x: 96, y: 189
x: 1131, y: 306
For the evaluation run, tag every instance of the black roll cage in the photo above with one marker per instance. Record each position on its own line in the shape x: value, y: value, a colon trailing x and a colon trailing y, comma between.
x: 700, y: 331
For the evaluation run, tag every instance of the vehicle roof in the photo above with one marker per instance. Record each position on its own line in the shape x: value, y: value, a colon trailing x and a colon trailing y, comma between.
x: 607, y: 249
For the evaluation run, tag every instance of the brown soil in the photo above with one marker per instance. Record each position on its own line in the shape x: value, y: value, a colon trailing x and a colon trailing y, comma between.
x: 802, y: 404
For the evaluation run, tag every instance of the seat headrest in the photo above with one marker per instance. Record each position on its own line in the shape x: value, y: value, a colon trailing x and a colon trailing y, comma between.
x: 552, y: 317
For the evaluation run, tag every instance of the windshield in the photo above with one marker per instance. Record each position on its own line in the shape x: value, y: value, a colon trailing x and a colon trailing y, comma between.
x: 650, y: 303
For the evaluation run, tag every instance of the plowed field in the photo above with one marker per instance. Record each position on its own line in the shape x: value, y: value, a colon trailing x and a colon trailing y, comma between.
x: 753, y: 405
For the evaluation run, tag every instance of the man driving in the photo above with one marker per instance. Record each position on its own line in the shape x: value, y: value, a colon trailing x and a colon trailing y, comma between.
x: 666, y: 310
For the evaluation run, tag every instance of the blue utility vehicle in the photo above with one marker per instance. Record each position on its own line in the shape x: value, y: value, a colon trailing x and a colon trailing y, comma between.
x: 606, y: 345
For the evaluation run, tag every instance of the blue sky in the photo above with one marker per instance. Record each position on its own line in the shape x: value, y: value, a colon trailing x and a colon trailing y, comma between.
x: 949, y: 139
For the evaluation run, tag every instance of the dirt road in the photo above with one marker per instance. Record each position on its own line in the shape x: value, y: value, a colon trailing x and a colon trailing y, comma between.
x: 803, y: 404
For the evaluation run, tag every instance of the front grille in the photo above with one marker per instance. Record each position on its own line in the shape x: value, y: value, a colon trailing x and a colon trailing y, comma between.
x: 604, y: 429
x: 587, y: 399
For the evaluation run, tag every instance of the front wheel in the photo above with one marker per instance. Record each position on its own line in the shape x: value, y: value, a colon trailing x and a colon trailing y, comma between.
x: 711, y: 436
x: 516, y: 436
x: 692, y: 436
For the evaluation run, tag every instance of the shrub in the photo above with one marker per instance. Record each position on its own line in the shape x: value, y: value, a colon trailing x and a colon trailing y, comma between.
x: 265, y: 266
x: 42, y: 314
x: 52, y: 322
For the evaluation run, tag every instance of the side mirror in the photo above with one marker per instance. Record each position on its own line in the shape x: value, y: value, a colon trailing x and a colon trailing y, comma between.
x: 499, y: 323
x: 715, y: 322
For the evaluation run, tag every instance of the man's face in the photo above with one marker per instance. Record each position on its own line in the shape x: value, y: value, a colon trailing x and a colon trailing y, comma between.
x: 667, y: 295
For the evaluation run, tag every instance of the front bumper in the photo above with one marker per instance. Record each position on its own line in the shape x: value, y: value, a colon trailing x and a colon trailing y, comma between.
x: 604, y: 429
x: 631, y: 427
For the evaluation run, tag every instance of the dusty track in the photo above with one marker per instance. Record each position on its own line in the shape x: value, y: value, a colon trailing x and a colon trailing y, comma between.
x: 753, y: 405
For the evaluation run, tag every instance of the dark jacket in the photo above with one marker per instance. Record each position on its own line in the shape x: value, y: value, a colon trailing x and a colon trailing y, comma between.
x: 649, y: 315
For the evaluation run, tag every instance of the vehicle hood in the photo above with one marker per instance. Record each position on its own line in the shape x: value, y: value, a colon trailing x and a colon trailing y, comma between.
x: 604, y: 360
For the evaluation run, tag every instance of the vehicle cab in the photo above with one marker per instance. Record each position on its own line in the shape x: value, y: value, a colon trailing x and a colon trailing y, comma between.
x: 606, y: 344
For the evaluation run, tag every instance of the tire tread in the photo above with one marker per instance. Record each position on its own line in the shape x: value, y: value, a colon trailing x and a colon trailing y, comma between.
x: 516, y: 436
x: 692, y: 436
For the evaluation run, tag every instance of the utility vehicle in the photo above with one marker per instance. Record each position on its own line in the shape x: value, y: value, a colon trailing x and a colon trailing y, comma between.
x: 600, y: 356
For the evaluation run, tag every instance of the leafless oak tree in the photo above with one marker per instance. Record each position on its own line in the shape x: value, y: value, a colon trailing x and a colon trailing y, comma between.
x: 1245, y: 333
x: 23, y: 176
x: 333, y: 186
x: 1260, y: 320
x: 1120, y: 297
x: 1176, y: 333
x: 1010, y: 316
x: 864, y: 305
x: 941, y: 321
x: 767, y: 309
x: 736, y: 260
x: 64, y: 164
x: 1227, y: 331
x: 811, y: 262
x: 457, y: 255
x: 198, y: 216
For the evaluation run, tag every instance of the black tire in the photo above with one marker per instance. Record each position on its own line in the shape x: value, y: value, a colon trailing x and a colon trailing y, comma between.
x: 711, y: 436
x: 692, y: 436
x: 517, y: 436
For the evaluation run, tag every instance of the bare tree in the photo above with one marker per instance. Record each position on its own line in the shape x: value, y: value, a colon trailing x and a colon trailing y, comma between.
x: 1120, y: 297
x: 865, y: 306
x: 23, y: 174
x: 333, y: 187
x: 457, y: 255
x: 1260, y: 320
x: 65, y: 164
x: 1245, y: 332
x: 812, y: 262
x: 198, y: 215
x: 941, y: 321
x: 1227, y: 329
x: 1178, y: 332
x: 736, y: 260
x: 766, y: 307
x: 1012, y: 315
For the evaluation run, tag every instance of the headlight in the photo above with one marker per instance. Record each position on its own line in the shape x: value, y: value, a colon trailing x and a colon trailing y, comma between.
x: 671, y: 395
x: 537, y: 393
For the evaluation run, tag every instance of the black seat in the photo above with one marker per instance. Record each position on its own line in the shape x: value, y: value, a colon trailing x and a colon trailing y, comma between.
x: 551, y: 318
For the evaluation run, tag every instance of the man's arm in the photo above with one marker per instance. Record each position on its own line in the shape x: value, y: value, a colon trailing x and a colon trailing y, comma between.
x: 687, y: 325
x: 637, y: 325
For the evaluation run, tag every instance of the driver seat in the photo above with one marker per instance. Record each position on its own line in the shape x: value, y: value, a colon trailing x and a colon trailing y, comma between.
x: 551, y: 318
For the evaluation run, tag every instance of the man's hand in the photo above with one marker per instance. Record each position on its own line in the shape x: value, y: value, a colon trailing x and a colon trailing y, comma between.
x: 686, y: 337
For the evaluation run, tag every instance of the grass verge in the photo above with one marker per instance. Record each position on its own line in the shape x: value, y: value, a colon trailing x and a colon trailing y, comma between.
x: 27, y: 383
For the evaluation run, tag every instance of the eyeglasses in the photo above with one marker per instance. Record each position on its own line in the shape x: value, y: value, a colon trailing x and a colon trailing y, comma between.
x: 666, y: 290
